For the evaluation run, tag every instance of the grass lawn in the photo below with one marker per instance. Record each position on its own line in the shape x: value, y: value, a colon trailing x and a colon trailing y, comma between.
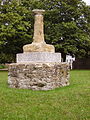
x: 66, y: 103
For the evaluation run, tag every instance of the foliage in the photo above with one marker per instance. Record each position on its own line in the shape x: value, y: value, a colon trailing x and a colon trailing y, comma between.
x: 15, y: 29
x: 67, y: 26
x: 66, y: 103
x: 2, y: 66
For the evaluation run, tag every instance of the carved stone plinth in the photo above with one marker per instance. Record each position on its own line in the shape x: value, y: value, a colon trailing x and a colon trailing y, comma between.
x: 38, y: 47
x: 38, y: 76
x: 38, y: 57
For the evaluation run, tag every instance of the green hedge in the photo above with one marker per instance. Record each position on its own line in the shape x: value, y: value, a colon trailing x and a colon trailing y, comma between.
x: 2, y: 66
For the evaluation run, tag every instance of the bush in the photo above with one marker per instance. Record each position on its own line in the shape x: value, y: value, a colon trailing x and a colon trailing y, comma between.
x: 2, y: 66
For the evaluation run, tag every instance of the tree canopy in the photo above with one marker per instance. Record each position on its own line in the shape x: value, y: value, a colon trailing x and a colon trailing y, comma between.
x: 67, y: 26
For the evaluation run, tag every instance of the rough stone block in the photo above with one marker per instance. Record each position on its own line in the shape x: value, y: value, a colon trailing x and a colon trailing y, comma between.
x: 38, y: 76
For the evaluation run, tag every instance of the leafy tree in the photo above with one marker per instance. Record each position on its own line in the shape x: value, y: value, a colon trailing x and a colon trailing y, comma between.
x: 67, y: 25
x: 15, y: 29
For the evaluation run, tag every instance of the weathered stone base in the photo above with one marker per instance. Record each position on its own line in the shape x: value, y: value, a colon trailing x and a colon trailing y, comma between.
x: 38, y: 47
x: 38, y: 76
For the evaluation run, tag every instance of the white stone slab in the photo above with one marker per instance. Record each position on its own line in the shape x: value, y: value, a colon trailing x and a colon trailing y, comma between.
x: 38, y: 57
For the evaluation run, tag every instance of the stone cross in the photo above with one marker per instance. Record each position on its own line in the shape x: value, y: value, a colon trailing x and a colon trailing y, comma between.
x: 38, y: 26
x: 38, y: 68
x: 38, y: 44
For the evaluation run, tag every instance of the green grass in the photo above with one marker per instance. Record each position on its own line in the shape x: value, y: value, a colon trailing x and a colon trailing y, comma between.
x: 66, y: 103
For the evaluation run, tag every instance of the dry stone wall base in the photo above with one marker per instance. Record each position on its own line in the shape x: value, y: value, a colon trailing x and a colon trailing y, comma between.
x: 38, y: 76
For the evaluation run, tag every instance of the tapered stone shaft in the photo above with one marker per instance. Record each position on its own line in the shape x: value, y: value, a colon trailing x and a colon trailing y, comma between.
x: 38, y: 26
x: 38, y: 44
